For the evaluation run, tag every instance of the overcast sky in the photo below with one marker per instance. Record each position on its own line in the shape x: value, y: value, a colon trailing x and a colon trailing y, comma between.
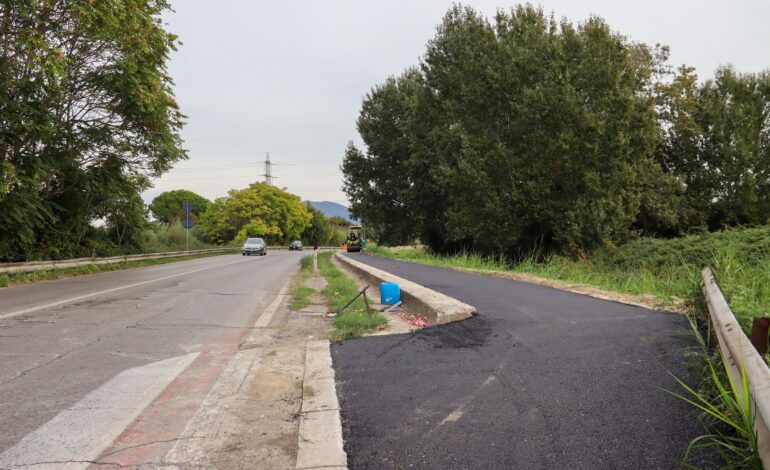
x: 287, y: 77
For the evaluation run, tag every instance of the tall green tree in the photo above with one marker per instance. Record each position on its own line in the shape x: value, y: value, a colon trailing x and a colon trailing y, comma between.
x: 717, y: 143
x: 126, y: 220
x: 735, y: 118
x: 392, y: 185
x: 320, y: 230
x: 167, y: 206
x: 260, y: 210
x: 512, y: 133
x: 87, y: 115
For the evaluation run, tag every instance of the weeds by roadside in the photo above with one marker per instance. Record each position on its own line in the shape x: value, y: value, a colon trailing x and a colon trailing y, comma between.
x: 340, y: 288
x: 300, y: 294
x: 726, y: 411
x: 7, y: 280
x: 354, y: 321
x: 666, y: 269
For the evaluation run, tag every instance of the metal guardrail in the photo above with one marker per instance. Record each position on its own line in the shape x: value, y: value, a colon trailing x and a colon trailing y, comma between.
x: 31, y: 266
x: 740, y: 357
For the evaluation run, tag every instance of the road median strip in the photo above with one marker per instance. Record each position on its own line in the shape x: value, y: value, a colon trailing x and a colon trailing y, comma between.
x: 439, y: 308
x: 320, y: 442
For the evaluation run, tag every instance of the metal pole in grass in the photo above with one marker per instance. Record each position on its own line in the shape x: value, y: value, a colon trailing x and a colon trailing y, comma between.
x: 187, y: 230
x: 366, y: 302
x: 354, y: 299
x: 315, y: 260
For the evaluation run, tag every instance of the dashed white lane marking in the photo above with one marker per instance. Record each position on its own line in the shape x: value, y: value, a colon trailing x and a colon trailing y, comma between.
x: 107, y: 291
x: 75, y: 437
x: 267, y: 315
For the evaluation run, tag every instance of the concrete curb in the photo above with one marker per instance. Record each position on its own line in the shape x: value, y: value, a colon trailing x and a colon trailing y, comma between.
x: 320, y: 427
x: 439, y: 308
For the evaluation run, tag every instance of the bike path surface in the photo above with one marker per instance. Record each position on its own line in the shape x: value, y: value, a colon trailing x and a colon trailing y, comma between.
x: 539, y: 379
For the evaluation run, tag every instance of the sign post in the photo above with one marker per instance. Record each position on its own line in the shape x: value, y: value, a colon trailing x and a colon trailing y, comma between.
x: 187, y: 222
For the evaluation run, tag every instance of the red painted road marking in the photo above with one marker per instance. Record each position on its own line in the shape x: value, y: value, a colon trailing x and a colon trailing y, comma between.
x: 152, y: 434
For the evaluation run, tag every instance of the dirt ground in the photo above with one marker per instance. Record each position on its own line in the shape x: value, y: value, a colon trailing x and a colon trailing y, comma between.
x: 265, y: 427
x: 250, y: 419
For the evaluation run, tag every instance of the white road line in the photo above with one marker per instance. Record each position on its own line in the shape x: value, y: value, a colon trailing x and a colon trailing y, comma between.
x: 267, y: 315
x: 107, y: 291
x: 76, y: 436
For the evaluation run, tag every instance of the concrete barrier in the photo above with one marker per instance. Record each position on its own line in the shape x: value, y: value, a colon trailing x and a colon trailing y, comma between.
x: 740, y: 357
x: 439, y: 308
x: 72, y: 263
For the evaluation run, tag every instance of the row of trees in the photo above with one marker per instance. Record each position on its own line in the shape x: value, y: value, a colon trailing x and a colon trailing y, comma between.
x: 87, y: 116
x: 526, y: 131
x: 259, y: 210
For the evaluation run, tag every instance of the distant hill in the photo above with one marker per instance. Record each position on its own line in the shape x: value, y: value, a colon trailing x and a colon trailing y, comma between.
x: 331, y: 209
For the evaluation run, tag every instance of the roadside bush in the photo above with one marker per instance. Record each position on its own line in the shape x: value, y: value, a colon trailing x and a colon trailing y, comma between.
x: 168, y: 237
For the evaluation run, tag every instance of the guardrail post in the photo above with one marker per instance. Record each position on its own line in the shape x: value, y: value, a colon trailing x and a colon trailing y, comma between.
x: 759, y: 333
x: 315, y: 261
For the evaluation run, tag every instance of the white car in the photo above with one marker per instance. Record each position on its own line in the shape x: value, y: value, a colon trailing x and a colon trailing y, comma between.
x: 254, y: 246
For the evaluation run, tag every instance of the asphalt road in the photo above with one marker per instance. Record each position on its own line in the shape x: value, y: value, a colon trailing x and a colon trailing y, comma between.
x: 539, y: 379
x: 80, y: 358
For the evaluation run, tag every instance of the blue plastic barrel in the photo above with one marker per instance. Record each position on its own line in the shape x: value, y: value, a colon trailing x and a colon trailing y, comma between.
x: 390, y: 293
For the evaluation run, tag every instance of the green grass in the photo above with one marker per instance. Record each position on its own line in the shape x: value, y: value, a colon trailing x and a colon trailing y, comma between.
x: 667, y: 269
x: 461, y: 260
x: 727, y: 412
x: 300, y: 294
x: 340, y: 288
x: 7, y: 280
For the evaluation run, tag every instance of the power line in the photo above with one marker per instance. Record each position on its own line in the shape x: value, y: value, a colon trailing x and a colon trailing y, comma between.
x: 227, y: 166
x: 171, y: 180
x: 214, y: 167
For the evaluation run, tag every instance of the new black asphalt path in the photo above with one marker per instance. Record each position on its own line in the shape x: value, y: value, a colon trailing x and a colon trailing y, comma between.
x: 539, y: 379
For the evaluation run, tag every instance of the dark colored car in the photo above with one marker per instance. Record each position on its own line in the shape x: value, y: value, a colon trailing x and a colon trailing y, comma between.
x: 295, y: 245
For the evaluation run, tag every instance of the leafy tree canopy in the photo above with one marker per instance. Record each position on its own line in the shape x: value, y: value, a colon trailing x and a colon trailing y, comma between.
x: 167, y: 206
x: 511, y: 133
x: 87, y: 115
x: 260, y: 210
x: 320, y: 230
x: 717, y: 141
x: 524, y: 132
x: 339, y: 221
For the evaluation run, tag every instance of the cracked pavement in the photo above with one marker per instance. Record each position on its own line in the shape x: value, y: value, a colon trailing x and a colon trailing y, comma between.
x: 53, y: 358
